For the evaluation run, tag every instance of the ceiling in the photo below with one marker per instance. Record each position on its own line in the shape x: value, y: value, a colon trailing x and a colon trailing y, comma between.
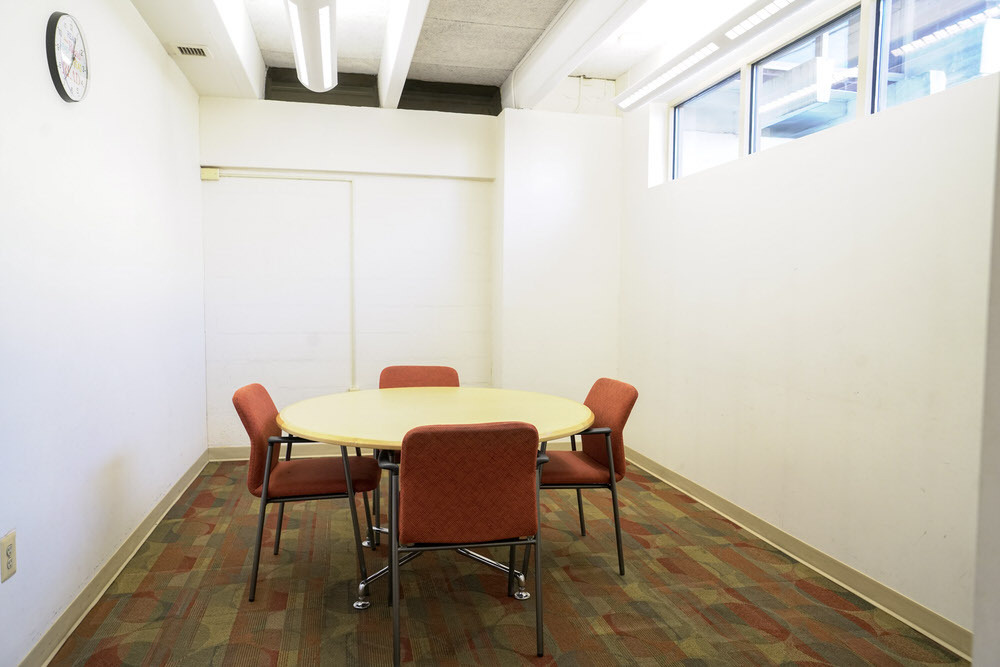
x: 454, y: 41
x: 666, y: 26
x: 360, y: 33
x: 481, y: 41
x: 478, y: 41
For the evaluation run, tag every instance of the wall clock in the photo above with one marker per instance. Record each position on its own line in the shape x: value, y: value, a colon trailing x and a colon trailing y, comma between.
x: 67, y: 52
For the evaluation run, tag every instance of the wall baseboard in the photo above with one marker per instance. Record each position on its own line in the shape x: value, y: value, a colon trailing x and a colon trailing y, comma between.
x: 917, y: 616
x: 299, y: 450
x: 63, y: 627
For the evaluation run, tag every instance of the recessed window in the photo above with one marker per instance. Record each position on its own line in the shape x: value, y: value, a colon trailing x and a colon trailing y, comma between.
x: 930, y: 45
x: 707, y: 127
x: 809, y: 85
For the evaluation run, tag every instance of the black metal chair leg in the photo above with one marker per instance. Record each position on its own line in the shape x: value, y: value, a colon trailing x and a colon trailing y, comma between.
x: 377, y: 507
x: 277, y: 532
x: 510, y: 571
x: 579, y: 496
x: 389, y: 512
x: 539, y: 627
x: 368, y: 511
x: 260, y: 523
x: 527, y: 559
x: 281, y: 508
x: 614, y: 505
x: 354, y: 514
x: 368, y: 518
x: 394, y: 565
x: 256, y: 549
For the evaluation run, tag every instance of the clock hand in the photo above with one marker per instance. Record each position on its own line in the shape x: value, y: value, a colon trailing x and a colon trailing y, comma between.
x: 73, y: 59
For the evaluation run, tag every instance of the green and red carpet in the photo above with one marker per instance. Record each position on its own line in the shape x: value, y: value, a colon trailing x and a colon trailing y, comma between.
x: 698, y: 590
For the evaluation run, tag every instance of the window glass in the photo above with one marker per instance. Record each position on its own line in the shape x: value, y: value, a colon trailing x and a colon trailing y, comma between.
x: 809, y: 85
x: 930, y: 45
x: 707, y: 127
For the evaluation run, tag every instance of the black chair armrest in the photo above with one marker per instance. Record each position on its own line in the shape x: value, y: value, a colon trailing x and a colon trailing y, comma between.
x: 281, y: 439
x: 602, y: 430
x: 385, y: 461
x: 541, y: 459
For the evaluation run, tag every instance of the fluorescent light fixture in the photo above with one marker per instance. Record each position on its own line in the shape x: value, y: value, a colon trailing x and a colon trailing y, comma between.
x: 758, y: 17
x: 649, y: 87
x: 947, y: 31
x: 314, y: 27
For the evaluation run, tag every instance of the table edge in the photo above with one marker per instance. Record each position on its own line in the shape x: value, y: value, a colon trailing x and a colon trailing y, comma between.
x: 365, y: 443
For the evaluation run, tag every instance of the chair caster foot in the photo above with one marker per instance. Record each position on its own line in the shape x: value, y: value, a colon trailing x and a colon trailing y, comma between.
x: 522, y: 595
x: 362, y: 604
x: 367, y: 544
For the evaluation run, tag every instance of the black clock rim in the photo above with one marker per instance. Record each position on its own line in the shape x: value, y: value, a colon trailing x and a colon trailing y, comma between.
x: 50, y: 50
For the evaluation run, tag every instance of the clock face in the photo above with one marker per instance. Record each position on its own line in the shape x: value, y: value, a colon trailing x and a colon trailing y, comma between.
x: 67, y: 52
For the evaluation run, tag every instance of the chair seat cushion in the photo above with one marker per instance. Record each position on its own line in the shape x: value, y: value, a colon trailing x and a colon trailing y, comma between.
x: 574, y: 468
x: 320, y: 476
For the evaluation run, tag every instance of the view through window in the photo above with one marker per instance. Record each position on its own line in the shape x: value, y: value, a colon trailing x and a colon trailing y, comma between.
x: 809, y: 85
x: 930, y: 45
x: 707, y: 128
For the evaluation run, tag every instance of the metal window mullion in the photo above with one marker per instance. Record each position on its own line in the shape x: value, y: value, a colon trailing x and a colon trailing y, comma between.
x: 746, y: 100
x: 868, y: 57
x: 675, y: 144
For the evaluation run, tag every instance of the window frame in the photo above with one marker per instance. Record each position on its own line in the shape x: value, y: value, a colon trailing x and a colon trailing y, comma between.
x: 755, y: 64
x: 675, y: 118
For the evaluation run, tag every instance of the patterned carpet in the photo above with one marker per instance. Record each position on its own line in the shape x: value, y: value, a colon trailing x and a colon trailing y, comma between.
x: 698, y: 591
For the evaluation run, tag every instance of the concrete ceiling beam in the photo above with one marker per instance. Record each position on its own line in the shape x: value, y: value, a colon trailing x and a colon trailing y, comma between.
x: 406, y: 18
x: 581, y: 27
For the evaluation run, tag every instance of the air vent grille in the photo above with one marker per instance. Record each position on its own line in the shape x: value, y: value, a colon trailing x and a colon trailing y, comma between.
x: 196, y: 51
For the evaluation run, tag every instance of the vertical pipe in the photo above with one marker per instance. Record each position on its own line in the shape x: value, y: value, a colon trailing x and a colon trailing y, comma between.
x: 394, y: 562
x: 353, y: 322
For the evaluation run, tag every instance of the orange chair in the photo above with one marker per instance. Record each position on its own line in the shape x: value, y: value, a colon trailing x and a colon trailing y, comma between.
x: 464, y: 486
x: 394, y: 377
x: 602, y: 462
x: 280, y: 481
x: 397, y: 377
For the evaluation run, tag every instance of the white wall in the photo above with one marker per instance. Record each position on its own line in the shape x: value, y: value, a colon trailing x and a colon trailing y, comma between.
x: 422, y: 258
x: 986, y: 643
x: 578, y: 94
x: 806, y: 327
x: 277, y: 293
x: 102, y: 346
x: 405, y: 229
x: 287, y: 135
x: 558, y: 257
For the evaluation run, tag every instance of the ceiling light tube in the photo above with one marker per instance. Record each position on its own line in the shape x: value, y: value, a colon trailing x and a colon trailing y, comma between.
x: 947, y: 31
x: 314, y: 29
x: 758, y: 17
x: 654, y: 84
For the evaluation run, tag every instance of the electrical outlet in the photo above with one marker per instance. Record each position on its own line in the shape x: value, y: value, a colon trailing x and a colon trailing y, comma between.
x: 8, y: 556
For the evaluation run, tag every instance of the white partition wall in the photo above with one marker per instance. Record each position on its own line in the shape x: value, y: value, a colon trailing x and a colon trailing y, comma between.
x: 352, y: 240
x: 557, y: 251
x: 809, y: 323
x: 277, y: 292
x: 102, y: 345
x: 422, y: 268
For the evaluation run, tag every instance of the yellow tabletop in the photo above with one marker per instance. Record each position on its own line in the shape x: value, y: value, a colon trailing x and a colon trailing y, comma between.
x: 379, y: 418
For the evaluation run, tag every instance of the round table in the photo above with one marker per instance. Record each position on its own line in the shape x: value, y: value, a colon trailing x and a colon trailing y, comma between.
x: 379, y: 418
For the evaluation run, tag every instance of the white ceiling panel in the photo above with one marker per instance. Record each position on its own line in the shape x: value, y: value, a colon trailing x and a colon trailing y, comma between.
x: 463, y: 41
